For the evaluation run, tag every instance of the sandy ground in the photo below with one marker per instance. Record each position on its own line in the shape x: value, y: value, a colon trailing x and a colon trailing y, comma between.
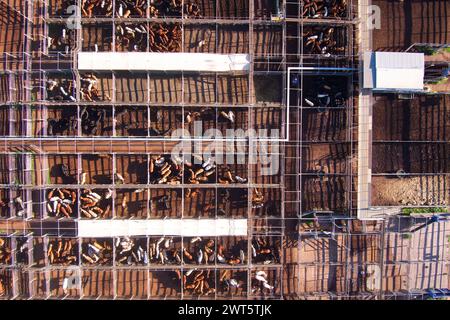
x: 326, y: 158
x: 424, y: 119
x: 414, y: 191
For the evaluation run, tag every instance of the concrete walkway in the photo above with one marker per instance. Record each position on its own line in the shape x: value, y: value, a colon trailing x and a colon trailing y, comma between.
x: 364, y: 119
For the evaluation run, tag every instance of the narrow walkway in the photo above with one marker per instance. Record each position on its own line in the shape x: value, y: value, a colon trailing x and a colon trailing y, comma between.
x: 364, y: 119
x: 163, y: 227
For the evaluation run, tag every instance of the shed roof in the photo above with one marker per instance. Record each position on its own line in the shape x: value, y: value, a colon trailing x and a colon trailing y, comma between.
x: 394, y: 70
x: 170, y: 61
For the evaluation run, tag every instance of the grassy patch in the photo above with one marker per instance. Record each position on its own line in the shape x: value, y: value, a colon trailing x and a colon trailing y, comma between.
x: 49, y: 177
x: 16, y: 182
x: 441, y: 81
x: 409, y: 211
x: 33, y: 176
x: 426, y: 50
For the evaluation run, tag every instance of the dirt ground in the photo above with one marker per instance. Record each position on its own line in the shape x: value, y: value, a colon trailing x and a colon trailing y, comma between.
x: 98, y: 284
x: 198, y: 89
x: 4, y: 173
x: 341, y: 264
x: 339, y: 37
x: 196, y: 203
x: 53, y: 173
x: 408, y: 22
x: 414, y: 191
x: 420, y: 119
x: 99, y: 34
x: 98, y: 168
x: 131, y: 87
x: 137, y: 204
x: 136, y: 120
x: 326, y: 158
x: 268, y: 89
x: 209, y: 9
x: 223, y: 39
x: 325, y: 163
x: 4, y: 88
x: 325, y: 193
x: 417, y: 158
x: 321, y: 123
x: 11, y: 23
x: 424, y: 119
x: 42, y: 115
x: 12, y: 120
x: 330, y: 125
x: 314, y: 267
x: 230, y: 39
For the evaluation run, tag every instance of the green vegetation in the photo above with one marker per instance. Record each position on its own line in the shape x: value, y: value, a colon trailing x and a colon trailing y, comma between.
x: 33, y: 176
x: 16, y: 182
x: 426, y: 50
x: 430, y: 51
x: 441, y: 81
x: 409, y: 211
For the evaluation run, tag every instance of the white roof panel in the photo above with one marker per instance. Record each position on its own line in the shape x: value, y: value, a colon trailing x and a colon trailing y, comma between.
x: 163, y: 61
x: 162, y: 227
x: 399, y: 60
x: 399, y: 79
x: 394, y: 70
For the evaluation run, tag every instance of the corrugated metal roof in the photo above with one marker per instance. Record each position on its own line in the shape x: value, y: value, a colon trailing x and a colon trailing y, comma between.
x: 399, y: 60
x: 173, y: 61
x: 399, y: 78
x: 162, y: 227
x: 394, y: 70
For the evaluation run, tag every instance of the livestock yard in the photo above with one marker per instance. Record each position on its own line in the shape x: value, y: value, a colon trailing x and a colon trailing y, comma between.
x: 93, y: 204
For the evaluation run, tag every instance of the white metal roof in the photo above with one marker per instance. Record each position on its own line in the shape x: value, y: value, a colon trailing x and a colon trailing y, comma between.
x: 399, y: 60
x: 163, y: 227
x: 394, y: 70
x: 163, y: 61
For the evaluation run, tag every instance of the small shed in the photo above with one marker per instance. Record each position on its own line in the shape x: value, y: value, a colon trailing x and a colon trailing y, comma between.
x: 394, y: 71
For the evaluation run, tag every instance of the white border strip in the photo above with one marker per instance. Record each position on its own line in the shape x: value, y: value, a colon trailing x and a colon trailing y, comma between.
x: 162, y: 227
